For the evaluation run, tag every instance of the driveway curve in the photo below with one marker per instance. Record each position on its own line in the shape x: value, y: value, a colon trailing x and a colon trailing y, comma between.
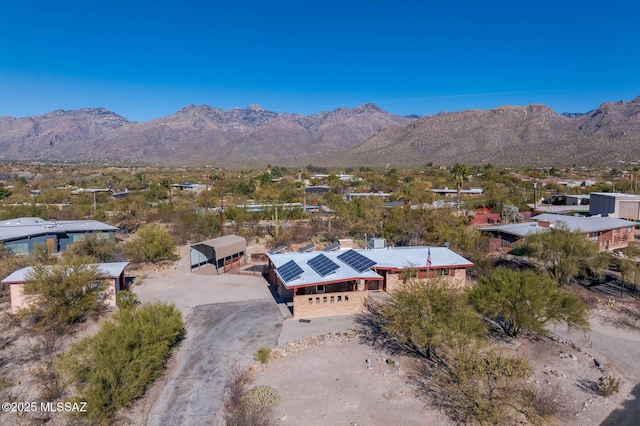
x: 219, y: 337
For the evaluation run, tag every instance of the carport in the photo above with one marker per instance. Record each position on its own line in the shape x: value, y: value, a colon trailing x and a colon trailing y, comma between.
x: 217, y: 251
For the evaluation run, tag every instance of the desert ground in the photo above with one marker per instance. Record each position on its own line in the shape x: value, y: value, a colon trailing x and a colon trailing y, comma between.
x: 326, y: 373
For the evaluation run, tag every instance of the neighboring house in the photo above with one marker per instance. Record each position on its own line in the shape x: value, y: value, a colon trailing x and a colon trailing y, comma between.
x: 324, y: 283
x: 190, y: 187
x: 618, y: 205
x: 21, y: 234
x: 607, y: 233
x: 450, y: 191
x: 113, y: 273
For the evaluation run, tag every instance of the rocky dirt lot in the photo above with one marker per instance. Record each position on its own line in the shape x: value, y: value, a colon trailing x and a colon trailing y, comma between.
x: 336, y: 379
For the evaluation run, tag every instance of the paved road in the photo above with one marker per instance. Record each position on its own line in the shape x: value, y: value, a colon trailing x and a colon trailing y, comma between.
x: 219, y: 336
x: 629, y: 415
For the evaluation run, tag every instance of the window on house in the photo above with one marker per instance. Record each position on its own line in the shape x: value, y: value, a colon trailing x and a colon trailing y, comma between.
x: 443, y: 272
x: 593, y: 236
x: 18, y: 248
x: 331, y: 300
x: 339, y: 298
x: 320, y: 289
x: 324, y: 299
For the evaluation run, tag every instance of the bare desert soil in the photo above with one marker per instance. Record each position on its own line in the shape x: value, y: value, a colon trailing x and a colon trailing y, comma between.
x: 328, y: 380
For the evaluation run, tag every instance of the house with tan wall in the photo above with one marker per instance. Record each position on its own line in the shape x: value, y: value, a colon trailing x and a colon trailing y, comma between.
x: 607, y: 233
x: 326, y: 283
x: 112, y: 273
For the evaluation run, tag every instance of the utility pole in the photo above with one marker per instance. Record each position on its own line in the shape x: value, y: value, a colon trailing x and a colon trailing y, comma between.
x: 221, y: 203
x: 206, y: 191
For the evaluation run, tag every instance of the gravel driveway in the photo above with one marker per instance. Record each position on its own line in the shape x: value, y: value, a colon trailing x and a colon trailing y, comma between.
x: 219, y: 336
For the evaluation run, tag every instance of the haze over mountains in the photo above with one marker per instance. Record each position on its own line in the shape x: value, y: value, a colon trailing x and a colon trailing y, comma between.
x: 364, y: 135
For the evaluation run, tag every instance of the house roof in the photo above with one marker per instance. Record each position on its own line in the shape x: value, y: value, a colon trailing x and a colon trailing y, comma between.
x: 396, y: 258
x: 586, y: 224
x: 225, y: 246
x: 573, y: 223
x: 24, y: 227
x: 521, y: 229
x: 634, y: 197
x: 111, y: 270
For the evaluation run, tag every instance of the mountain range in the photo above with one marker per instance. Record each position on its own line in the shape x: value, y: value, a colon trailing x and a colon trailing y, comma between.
x: 362, y: 136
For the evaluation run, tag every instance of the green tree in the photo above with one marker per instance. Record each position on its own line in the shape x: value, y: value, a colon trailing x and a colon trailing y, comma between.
x: 432, y: 318
x: 460, y: 173
x: 152, y: 243
x: 114, y: 367
x: 527, y: 300
x: 564, y: 253
x: 64, y: 294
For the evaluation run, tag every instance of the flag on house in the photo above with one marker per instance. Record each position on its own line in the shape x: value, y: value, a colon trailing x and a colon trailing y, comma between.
x: 428, y: 258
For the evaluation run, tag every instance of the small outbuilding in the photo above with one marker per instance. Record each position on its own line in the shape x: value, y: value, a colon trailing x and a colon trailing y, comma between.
x: 219, y: 252
x: 112, y: 273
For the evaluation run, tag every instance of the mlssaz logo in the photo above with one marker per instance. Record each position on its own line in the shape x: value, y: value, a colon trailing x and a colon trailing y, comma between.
x: 68, y: 407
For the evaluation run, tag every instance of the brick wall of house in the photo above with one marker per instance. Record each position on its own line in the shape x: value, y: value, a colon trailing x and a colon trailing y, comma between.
x: 329, y: 304
x: 458, y: 278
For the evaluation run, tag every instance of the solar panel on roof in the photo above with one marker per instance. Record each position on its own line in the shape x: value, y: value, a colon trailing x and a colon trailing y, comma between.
x: 279, y: 249
x: 332, y: 247
x: 322, y: 265
x: 355, y: 260
x: 289, y: 271
x: 306, y: 248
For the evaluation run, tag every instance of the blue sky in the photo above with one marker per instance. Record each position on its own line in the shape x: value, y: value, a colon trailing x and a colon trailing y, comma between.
x: 147, y: 59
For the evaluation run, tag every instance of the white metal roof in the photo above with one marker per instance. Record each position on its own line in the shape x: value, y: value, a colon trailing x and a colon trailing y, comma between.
x: 387, y: 258
x: 111, y: 270
x: 23, y: 227
x: 586, y: 224
x: 573, y: 223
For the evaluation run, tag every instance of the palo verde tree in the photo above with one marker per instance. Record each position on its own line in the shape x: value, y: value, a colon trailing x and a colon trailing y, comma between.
x: 64, y: 294
x: 564, y: 253
x: 526, y: 300
x: 432, y: 318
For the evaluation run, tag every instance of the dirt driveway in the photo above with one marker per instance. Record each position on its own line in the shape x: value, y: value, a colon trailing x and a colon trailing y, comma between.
x: 220, y: 336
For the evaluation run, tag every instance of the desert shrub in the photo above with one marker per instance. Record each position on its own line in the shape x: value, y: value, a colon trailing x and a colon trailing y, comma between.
x: 609, y: 385
x: 114, y: 367
x: 249, y: 407
x: 152, y: 243
x: 263, y: 355
x: 545, y: 402
x: 103, y: 250
x: 484, y: 388
x: 126, y: 299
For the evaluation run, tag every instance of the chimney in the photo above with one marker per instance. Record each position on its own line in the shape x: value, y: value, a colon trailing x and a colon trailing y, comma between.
x: 346, y: 243
x: 544, y: 223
